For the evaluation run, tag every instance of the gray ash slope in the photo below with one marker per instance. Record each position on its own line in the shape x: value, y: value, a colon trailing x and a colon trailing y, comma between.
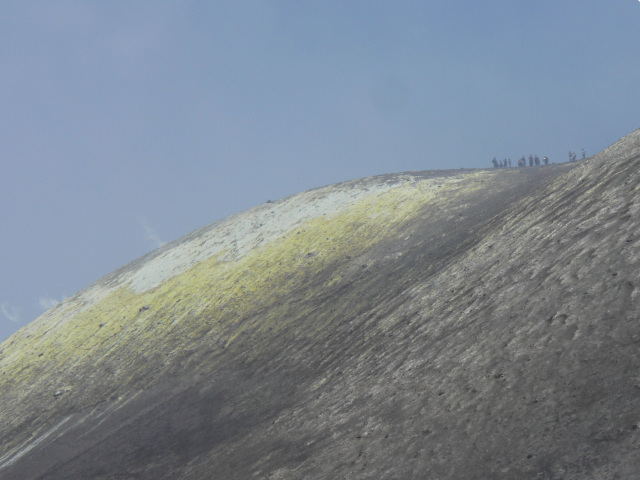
x: 499, y: 339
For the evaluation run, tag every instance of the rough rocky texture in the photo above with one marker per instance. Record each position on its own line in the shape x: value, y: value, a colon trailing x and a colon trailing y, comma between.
x: 460, y: 324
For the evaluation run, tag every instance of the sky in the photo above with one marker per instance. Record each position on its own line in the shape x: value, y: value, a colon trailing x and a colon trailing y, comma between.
x: 128, y: 124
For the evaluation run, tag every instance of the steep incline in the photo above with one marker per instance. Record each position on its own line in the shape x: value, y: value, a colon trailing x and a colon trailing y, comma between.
x: 464, y: 324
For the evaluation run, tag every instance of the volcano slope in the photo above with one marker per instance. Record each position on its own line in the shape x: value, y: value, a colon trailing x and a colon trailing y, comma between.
x: 453, y: 325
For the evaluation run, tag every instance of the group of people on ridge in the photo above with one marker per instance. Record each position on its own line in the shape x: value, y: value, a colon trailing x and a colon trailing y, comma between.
x: 533, y: 160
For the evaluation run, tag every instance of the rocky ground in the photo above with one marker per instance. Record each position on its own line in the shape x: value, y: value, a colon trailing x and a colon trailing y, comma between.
x: 464, y: 324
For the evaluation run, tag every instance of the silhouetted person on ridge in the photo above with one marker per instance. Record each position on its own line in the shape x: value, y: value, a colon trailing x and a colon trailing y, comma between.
x: 509, y: 162
x: 495, y: 162
x: 546, y: 160
x: 584, y: 154
x: 536, y: 159
x: 531, y: 160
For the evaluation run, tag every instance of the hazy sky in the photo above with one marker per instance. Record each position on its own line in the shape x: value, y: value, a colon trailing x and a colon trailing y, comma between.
x: 125, y: 124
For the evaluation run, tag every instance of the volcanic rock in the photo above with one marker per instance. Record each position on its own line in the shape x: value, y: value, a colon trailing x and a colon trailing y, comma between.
x: 464, y: 324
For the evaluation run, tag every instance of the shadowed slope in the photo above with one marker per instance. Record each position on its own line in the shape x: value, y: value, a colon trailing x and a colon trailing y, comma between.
x: 478, y: 324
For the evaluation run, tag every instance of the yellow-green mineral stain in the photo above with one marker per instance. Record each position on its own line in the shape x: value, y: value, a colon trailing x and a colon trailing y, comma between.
x: 220, y: 299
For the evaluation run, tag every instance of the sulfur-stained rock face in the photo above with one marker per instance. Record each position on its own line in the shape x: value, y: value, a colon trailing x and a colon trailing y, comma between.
x: 469, y: 324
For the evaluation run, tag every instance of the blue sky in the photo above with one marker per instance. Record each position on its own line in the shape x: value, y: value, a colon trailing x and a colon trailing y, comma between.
x: 128, y: 124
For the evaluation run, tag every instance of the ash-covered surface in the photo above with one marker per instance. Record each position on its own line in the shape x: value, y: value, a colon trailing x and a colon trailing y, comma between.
x: 495, y: 337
